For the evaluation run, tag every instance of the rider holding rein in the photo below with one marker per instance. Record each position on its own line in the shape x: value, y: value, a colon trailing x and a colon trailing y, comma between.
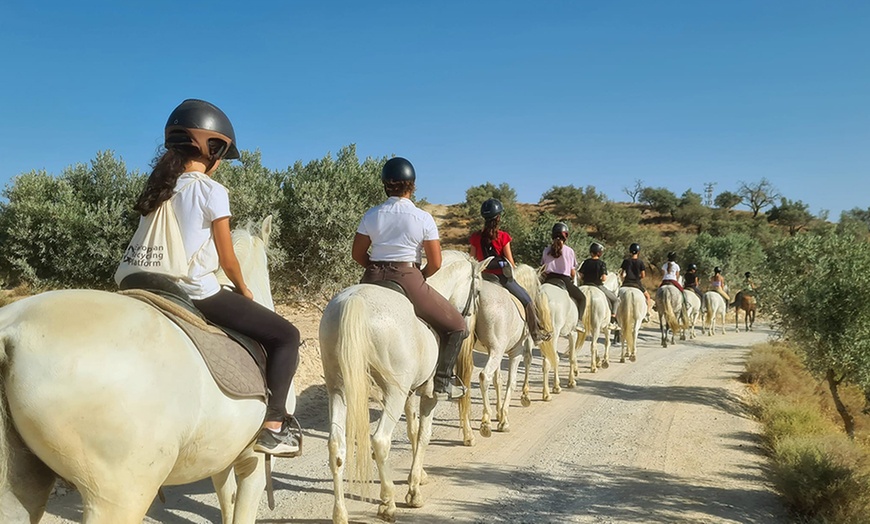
x: 559, y: 262
x: 672, y: 272
x: 198, y: 136
x: 398, y: 233
x: 594, y: 273
x: 492, y: 241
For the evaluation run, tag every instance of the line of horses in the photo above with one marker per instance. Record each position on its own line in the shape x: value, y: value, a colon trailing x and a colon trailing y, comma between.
x: 107, y: 393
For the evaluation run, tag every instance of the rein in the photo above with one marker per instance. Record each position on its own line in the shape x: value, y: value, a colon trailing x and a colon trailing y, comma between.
x: 466, y: 311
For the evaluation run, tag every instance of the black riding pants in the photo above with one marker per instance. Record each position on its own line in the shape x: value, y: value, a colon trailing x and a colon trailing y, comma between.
x: 573, y: 291
x: 278, y: 336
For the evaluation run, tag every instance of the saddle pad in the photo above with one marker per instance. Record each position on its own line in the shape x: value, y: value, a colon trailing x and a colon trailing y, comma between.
x: 230, y: 364
x: 234, y: 370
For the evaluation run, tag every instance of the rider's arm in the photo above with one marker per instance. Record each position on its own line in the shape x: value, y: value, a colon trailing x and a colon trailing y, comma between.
x: 360, y: 249
x: 508, y: 255
x: 432, y: 248
x: 223, y: 241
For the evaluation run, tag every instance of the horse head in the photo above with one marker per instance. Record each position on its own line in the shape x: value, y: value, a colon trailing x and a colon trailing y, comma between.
x: 251, y: 250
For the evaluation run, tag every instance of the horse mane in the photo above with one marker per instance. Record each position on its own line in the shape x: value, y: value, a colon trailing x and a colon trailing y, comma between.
x: 250, y: 250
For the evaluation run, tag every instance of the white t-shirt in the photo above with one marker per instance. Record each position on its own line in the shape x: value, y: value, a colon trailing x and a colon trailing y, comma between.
x: 670, y: 269
x: 200, y: 202
x: 398, y: 229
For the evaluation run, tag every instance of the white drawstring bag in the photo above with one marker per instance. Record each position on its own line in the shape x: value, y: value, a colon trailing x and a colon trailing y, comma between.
x: 157, y: 246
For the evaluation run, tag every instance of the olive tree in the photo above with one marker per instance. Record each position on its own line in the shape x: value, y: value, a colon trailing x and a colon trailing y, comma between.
x: 816, y: 288
x: 69, y: 230
x: 322, y: 205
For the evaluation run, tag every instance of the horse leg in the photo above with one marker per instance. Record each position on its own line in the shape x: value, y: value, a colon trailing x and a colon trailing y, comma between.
x: 337, y: 445
x: 525, y: 399
x: 499, y: 394
x: 606, y: 362
x: 593, y: 349
x: 225, y: 487
x: 503, y: 423
x: 489, y: 369
x: 417, y: 475
x: 30, y: 483
x: 394, y: 401
x: 663, y: 331
x: 250, y: 473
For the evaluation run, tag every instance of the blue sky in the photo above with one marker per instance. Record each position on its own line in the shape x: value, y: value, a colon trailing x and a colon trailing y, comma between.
x: 535, y: 94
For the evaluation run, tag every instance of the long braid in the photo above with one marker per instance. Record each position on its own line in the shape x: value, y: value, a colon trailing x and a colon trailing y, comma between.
x: 556, y: 247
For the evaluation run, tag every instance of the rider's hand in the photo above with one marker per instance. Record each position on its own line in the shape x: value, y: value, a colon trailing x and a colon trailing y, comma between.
x: 245, y: 292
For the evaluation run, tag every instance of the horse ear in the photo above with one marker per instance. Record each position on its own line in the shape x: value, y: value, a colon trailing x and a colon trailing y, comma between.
x: 482, y: 265
x: 266, y: 229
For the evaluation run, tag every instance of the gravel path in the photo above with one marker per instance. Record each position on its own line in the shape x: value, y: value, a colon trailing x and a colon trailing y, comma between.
x: 662, y: 440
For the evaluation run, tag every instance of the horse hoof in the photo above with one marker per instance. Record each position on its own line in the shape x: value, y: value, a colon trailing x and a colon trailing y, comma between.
x: 387, y: 512
x: 622, y: 360
x: 571, y: 384
x: 546, y: 397
x: 485, y: 431
x: 504, y: 427
x: 593, y: 370
x: 632, y: 358
x: 605, y: 364
x: 469, y: 442
x: 557, y: 389
x: 415, y: 500
x: 525, y: 401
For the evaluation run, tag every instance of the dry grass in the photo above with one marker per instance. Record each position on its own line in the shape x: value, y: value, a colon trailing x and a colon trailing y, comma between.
x: 7, y: 296
x: 822, y: 474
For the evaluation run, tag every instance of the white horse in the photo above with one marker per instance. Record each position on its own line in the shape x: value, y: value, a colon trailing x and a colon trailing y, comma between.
x: 368, y: 331
x: 715, y: 307
x: 630, y: 312
x: 563, y: 319
x: 693, y: 313
x: 596, y: 320
x: 499, y: 329
x: 109, y: 394
x: 669, y: 300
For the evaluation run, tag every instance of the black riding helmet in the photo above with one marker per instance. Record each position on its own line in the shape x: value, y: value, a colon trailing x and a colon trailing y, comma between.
x: 692, y: 267
x: 672, y: 257
x: 634, y: 248
x: 491, y: 208
x: 398, y: 169
x: 202, y: 125
x: 596, y: 248
x: 747, y: 274
x: 560, y: 230
x: 717, y: 270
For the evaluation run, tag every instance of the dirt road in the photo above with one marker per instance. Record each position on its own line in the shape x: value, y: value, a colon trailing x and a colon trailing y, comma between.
x: 662, y: 440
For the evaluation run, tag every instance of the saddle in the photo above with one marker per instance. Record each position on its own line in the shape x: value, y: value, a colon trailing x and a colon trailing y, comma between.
x: 236, y: 361
x: 558, y: 282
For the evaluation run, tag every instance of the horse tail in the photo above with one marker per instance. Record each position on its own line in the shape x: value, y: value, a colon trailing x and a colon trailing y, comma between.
x: 630, y: 316
x: 5, y: 344
x: 587, y: 316
x: 464, y: 368
x: 354, y: 348
x: 708, y: 311
x: 671, y: 317
x: 548, y: 347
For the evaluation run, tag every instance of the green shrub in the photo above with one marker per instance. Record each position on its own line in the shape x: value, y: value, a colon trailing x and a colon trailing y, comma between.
x: 789, y: 417
x: 70, y: 230
x: 825, y: 479
x: 324, y: 201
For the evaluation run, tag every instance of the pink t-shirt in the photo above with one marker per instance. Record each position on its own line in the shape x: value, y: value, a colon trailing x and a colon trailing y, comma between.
x: 562, y: 265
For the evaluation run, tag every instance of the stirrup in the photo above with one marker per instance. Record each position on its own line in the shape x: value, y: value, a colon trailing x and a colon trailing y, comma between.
x: 451, y: 394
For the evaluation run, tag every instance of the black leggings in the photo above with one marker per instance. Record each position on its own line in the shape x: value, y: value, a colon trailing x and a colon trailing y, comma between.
x: 573, y: 291
x: 279, y: 338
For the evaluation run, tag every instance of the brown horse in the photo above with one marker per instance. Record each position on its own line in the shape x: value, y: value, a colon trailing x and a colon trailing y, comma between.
x: 747, y: 303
